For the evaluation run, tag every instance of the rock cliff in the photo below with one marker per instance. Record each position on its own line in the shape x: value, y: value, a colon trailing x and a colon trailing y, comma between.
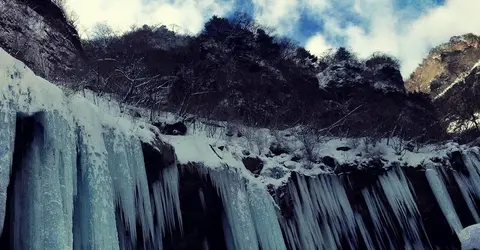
x: 38, y: 33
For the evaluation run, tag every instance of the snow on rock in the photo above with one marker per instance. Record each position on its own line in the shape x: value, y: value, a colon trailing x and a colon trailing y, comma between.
x: 459, y: 79
x: 470, y: 237
x: 285, y: 151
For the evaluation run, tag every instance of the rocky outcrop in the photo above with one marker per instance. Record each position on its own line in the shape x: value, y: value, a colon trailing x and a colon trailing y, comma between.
x: 444, y: 64
x: 38, y: 34
x: 450, y: 75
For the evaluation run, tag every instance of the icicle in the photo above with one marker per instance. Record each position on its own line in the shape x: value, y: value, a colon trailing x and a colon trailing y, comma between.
x: 265, y: 218
x: 364, y: 232
x: 235, y: 200
x: 44, y: 188
x: 229, y: 241
x: 468, y: 193
x: 323, y: 214
x: 142, y: 194
x: 95, y: 226
x: 250, y: 220
x: 398, y: 193
x: 125, y: 162
x: 379, y: 215
x: 470, y: 237
x: 443, y: 199
x: 7, y: 134
x: 123, y: 183
x: 167, y: 203
x: 205, y: 244
x: 470, y: 184
x: 202, y: 199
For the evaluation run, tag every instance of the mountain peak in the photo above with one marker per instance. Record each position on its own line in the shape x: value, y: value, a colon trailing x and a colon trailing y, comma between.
x: 444, y: 64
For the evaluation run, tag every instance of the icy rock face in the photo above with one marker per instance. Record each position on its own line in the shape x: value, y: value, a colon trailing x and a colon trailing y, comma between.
x: 382, y: 213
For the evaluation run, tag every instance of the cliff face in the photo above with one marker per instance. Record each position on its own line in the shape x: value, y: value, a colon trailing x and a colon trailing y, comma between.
x: 38, y: 33
x: 444, y: 64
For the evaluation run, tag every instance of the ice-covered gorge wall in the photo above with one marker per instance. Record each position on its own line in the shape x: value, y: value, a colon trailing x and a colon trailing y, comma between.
x: 75, y: 178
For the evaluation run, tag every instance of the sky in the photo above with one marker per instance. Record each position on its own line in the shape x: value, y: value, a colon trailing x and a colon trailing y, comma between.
x: 406, y: 29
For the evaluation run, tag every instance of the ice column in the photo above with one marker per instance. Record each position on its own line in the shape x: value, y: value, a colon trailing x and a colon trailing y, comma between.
x: 44, y: 187
x: 95, y: 226
x: 322, y: 214
x: 443, y: 199
x: 166, y: 202
x: 250, y: 220
x: 400, y: 198
x: 7, y: 134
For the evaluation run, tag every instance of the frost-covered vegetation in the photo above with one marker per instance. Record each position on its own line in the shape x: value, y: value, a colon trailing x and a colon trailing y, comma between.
x: 236, y: 70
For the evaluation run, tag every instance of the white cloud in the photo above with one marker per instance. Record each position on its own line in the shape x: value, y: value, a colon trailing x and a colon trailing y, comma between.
x: 188, y: 15
x: 283, y: 15
x: 389, y: 30
x: 317, y: 45
x: 316, y: 5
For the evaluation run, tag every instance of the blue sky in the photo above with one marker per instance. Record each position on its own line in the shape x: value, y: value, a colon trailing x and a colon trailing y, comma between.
x: 406, y: 29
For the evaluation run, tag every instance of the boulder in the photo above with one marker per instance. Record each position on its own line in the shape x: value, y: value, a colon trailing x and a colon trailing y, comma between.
x: 178, y: 128
x: 253, y: 164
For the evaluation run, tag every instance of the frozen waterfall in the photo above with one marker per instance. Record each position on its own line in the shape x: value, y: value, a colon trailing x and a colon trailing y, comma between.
x: 73, y: 176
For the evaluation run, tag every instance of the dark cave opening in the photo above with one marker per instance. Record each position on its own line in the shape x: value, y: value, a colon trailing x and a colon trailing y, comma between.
x: 201, y: 225
x: 24, y: 132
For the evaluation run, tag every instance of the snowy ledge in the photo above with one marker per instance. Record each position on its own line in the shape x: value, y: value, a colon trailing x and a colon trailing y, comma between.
x: 331, y: 156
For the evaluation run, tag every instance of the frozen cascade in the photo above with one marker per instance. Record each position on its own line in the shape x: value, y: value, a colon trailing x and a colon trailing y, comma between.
x: 379, y: 216
x: 443, y: 199
x: 235, y: 201
x: 250, y: 220
x: 400, y: 200
x: 95, y: 226
x: 470, y: 184
x: 125, y: 161
x: 143, y: 202
x: 7, y: 134
x: 264, y: 215
x: 166, y: 202
x: 81, y: 184
x: 322, y: 213
x: 398, y: 192
x: 44, y: 188
x: 81, y: 165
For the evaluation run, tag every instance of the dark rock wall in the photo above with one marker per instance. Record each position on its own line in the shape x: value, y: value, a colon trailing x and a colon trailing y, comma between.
x: 38, y: 34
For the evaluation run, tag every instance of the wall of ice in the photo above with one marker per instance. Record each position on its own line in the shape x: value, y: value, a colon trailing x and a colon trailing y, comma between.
x: 79, y: 181
x: 73, y: 176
